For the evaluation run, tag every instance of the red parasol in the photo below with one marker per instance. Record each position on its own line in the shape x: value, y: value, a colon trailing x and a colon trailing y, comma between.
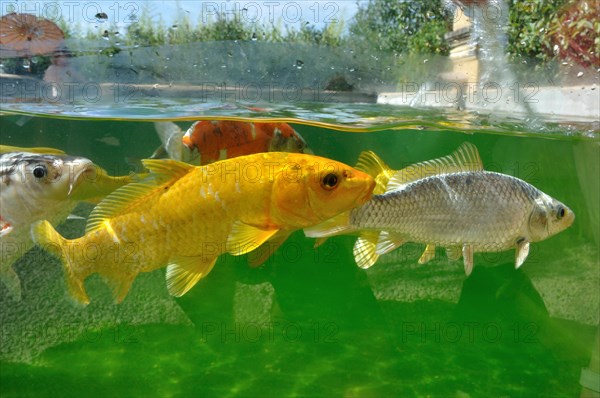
x: 26, y: 35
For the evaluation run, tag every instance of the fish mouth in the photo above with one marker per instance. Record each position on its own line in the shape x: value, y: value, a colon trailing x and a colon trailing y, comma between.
x: 368, y: 193
x: 78, y: 169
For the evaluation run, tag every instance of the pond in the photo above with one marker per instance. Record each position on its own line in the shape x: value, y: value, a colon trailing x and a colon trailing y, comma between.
x: 308, y: 322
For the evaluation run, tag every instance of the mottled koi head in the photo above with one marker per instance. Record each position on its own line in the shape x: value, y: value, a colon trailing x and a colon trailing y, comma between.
x: 310, y: 189
x: 48, y: 176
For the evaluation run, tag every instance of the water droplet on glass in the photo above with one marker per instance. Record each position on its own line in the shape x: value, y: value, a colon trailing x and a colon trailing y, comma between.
x: 174, y: 27
x: 425, y: 61
x: 580, y: 74
x: 254, y: 38
x: 26, y: 64
x: 34, y: 60
x: 299, y: 64
x: 195, y: 65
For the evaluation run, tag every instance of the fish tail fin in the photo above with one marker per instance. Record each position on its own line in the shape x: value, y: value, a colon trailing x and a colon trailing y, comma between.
x: 171, y: 137
x: 44, y: 234
x: 10, y: 279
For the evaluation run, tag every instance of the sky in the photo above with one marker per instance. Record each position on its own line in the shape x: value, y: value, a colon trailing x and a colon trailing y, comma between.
x: 123, y: 13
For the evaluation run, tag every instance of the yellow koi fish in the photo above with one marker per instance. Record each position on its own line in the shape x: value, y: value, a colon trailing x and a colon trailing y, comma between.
x: 184, y: 217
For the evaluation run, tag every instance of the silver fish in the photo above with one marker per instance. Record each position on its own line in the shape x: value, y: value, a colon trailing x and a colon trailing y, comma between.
x: 38, y: 184
x: 449, y: 202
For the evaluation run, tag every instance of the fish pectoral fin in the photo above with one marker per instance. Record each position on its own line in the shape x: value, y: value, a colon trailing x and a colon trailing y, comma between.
x: 184, y: 272
x: 244, y: 238
x: 522, y: 251
x: 387, y: 242
x: 266, y: 250
x: 319, y: 242
x: 365, y: 253
x: 10, y: 279
x: 337, y: 225
x: 465, y: 158
x: 467, y: 252
x: 454, y: 252
x: 119, y: 285
x: 374, y: 166
x: 428, y: 254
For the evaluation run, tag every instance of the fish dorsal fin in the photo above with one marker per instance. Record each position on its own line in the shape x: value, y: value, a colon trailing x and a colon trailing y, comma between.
x: 41, y: 150
x: 244, y: 238
x: 125, y: 199
x: 163, y: 170
x: 184, y: 272
x: 465, y: 158
x: 374, y: 166
x: 121, y: 201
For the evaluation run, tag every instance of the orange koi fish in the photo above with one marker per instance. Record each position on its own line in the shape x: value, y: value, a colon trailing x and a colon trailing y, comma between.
x: 207, y: 141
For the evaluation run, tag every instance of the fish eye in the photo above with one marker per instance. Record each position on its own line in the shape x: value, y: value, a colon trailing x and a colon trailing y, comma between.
x: 330, y: 181
x: 560, y: 212
x: 40, y: 171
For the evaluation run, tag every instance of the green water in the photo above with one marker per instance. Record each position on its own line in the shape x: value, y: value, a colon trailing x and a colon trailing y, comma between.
x: 310, y: 322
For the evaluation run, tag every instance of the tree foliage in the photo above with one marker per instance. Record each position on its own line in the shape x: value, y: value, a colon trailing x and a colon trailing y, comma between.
x: 416, y: 26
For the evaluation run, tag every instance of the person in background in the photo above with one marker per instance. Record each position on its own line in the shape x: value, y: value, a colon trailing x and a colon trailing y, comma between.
x: 61, y: 71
